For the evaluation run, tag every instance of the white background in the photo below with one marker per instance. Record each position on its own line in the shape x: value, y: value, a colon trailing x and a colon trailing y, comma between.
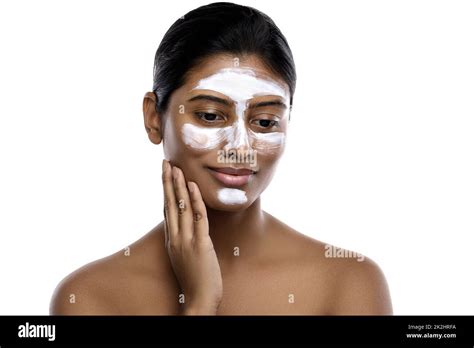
x: 379, y: 157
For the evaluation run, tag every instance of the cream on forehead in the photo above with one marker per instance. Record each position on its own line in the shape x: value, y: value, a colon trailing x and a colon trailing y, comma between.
x: 240, y: 85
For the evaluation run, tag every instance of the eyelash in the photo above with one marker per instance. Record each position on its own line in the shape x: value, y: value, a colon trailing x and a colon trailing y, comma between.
x: 201, y: 115
x: 273, y: 123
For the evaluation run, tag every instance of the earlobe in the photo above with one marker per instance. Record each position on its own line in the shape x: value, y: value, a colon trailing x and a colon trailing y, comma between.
x: 152, y: 118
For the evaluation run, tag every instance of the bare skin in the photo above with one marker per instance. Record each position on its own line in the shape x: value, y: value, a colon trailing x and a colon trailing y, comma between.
x: 225, y: 260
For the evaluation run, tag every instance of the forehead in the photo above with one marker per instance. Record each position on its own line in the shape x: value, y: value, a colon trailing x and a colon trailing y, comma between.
x: 224, y: 71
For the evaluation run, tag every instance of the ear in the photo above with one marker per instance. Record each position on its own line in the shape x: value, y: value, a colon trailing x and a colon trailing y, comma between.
x: 152, y: 118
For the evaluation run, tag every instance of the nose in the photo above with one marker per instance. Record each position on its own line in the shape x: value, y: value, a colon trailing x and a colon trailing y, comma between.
x: 238, y: 137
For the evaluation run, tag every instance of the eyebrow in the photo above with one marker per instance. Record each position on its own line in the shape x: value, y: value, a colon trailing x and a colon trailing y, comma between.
x: 211, y: 98
x: 268, y: 103
x: 228, y: 103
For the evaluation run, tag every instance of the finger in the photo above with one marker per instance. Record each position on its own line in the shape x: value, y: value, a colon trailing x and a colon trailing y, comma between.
x: 171, y: 212
x: 201, y: 224
x: 165, y: 205
x: 165, y: 227
x: 185, y: 216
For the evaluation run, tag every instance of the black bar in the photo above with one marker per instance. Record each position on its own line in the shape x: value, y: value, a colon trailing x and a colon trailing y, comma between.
x: 138, y: 331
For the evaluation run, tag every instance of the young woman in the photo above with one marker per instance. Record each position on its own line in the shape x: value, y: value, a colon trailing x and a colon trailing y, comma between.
x: 224, y: 79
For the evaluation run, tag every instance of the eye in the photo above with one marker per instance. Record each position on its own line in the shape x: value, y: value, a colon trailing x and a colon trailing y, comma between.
x: 208, y: 117
x: 266, y: 124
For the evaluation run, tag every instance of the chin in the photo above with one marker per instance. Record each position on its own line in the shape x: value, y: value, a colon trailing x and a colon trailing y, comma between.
x: 228, y: 205
x: 228, y: 208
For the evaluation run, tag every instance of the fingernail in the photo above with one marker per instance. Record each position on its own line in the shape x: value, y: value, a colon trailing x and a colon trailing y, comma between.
x: 191, y: 186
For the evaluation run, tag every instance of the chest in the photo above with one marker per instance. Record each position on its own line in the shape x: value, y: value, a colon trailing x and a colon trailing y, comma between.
x: 256, y: 292
x: 272, y: 292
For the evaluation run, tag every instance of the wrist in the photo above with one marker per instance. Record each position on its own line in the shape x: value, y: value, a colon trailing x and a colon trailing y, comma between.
x: 199, y: 309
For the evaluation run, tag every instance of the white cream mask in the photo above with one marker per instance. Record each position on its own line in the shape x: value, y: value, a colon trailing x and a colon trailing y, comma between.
x: 240, y: 85
x: 232, y: 196
x: 208, y: 138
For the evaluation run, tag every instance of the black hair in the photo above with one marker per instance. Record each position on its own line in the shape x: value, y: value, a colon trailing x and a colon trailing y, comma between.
x: 220, y: 27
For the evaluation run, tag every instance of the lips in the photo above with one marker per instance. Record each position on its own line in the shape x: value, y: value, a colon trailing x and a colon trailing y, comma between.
x: 232, y: 177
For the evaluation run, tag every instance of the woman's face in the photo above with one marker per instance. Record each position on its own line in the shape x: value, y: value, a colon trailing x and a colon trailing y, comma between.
x: 226, y: 128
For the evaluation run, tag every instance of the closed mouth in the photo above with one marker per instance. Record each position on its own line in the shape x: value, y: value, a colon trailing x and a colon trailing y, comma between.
x: 232, y: 177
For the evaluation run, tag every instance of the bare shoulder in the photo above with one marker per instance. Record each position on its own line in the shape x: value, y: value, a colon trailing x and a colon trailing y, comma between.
x: 360, y: 287
x: 350, y: 283
x: 83, y: 292
x: 125, y: 282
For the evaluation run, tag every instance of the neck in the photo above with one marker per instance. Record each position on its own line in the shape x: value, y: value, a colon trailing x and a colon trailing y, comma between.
x: 242, y: 229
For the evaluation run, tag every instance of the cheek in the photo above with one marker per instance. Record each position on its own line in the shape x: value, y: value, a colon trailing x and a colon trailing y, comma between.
x: 202, y: 139
x: 170, y: 143
x: 269, y: 144
x: 269, y: 148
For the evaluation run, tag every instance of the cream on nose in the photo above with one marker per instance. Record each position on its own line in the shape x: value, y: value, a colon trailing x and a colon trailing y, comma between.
x: 238, y: 139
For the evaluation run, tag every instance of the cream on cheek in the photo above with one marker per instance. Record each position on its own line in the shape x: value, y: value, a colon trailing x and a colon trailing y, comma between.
x: 203, y: 138
x: 208, y: 138
x: 268, y: 143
